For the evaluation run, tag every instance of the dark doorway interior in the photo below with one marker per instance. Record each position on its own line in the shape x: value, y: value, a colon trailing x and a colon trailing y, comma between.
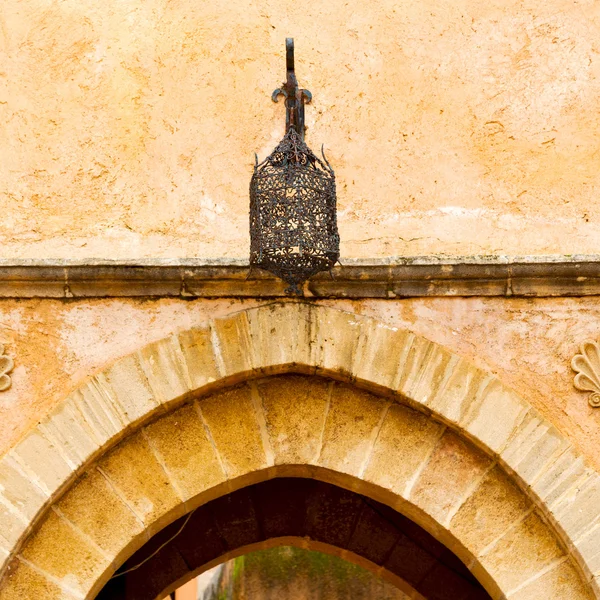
x: 295, y: 507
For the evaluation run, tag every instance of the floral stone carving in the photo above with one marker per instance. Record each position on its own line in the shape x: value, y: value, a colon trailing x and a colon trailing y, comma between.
x: 587, y: 366
x: 6, y: 366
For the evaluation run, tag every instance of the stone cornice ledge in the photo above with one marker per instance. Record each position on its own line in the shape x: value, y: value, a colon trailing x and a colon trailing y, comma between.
x: 395, y: 277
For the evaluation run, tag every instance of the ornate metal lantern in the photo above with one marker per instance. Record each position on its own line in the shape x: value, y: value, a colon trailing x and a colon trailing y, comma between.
x: 293, y: 223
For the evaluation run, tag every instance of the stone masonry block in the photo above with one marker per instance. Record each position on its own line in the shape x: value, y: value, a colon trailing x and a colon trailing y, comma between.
x: 560, y: 583
x: 494, y: 415
x: 494, y: 506
x: 381, y: 355
x: 438, y: 493
x: 406, y: 440
x: 95, y: 508
x: 523, y: 552
x: 103, y: 416
x: 186, y: 451
x: 568, y: 471
x: 335, y: 339
x: 24, y: 582
x: 60, y: 549
x: 12, y: 527
x: 69, y: 430
x: 233, y: 345
x: 280, y: 335
x: 579, y: 510
x: 533, y: 446
x: 128, y: 386
x: 414, y: 364
x: 588, y: 548
x: 133, y: 469
x: 453, y: 400
x: 40, y: 458
x: 18, y: 490
x: 352, y: 423
x: 165, y: 369
x: 233, y: 425
x: 197, y: 349
x: 433, y: 373
x: 295, y: 410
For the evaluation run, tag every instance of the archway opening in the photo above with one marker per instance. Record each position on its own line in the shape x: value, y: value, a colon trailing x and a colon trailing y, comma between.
x: 288, y: 573
x: 300, y: 512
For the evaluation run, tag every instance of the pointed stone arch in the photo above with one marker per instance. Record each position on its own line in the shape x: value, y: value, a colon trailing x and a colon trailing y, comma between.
x: 115, y: 409
x: 301, y: 512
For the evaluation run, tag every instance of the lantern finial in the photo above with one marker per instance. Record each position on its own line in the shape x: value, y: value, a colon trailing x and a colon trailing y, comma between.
x: 294, y: 98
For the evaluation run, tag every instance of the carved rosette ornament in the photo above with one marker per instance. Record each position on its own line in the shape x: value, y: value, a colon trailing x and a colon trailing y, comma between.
x: 587, y: 367
x: 6, y: 366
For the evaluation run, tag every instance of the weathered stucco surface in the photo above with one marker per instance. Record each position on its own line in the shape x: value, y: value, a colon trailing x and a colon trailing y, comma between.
x: 129, y: 128
x: 527, y: 343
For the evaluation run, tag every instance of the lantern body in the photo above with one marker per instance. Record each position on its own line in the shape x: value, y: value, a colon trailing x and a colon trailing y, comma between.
x: 293, y: 222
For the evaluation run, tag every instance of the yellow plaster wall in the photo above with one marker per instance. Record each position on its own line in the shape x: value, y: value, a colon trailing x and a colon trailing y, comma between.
x: 528, y: 344
x: 128, y: 129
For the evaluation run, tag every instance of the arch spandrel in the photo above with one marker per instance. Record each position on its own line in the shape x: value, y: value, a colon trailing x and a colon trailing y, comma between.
x: 530, y: 454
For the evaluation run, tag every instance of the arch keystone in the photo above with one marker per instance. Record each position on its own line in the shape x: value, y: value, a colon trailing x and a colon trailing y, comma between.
x: 295, y: 417
x: 290, y: 325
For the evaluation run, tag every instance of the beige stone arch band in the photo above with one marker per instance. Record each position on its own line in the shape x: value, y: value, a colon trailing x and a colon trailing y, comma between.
x: 119, y: 458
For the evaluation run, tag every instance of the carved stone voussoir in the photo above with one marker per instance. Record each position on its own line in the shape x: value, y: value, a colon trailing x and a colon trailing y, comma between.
x: 587, y: 367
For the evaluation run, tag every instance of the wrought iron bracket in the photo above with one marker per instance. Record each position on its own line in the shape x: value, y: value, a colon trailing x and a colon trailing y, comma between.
x: 295, y: 98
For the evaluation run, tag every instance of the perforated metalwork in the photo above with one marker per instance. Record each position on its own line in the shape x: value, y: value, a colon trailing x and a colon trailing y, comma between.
x: 293, y: 222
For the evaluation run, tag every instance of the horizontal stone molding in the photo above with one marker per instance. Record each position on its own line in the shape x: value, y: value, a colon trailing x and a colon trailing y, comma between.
x: 544, y: 276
